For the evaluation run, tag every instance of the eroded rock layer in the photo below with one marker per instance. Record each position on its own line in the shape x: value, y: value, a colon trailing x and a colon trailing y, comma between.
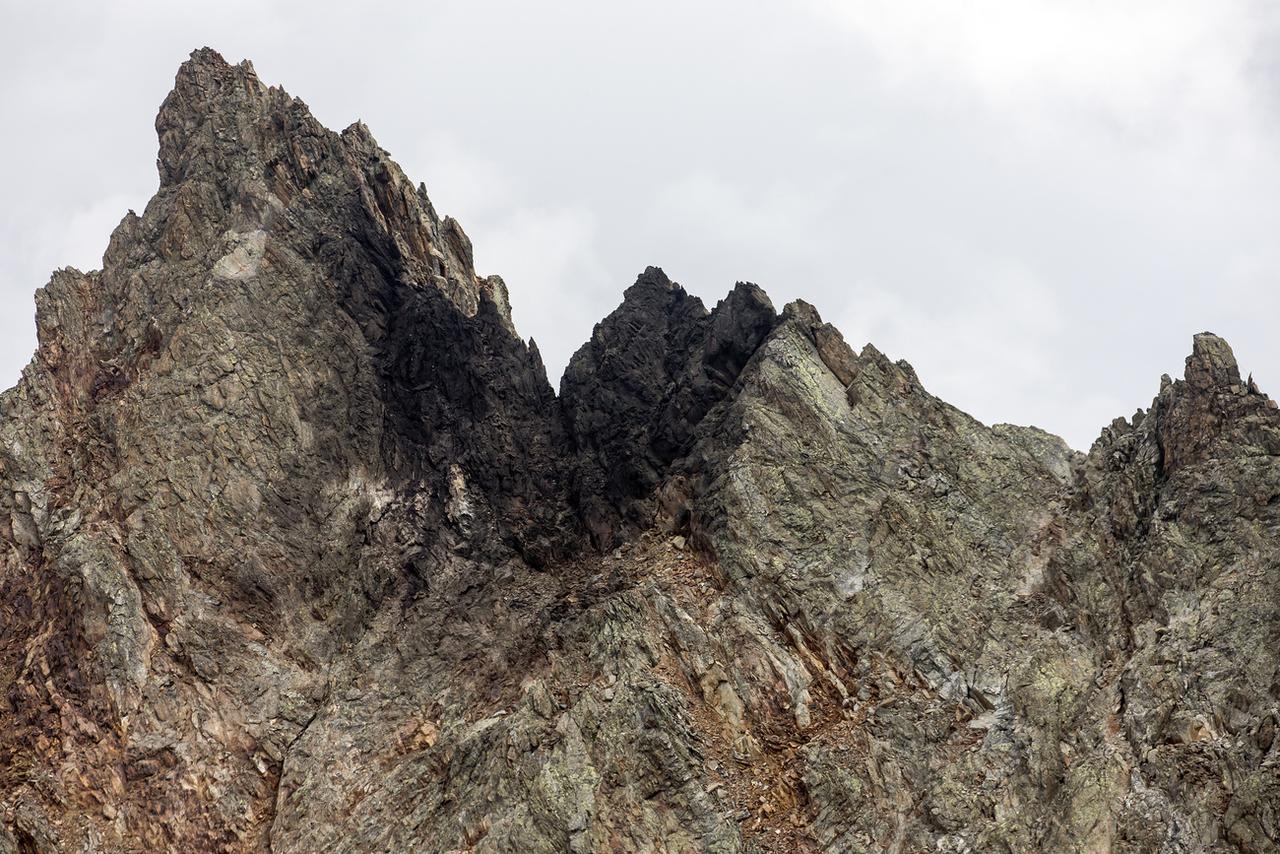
x: 299, y: 551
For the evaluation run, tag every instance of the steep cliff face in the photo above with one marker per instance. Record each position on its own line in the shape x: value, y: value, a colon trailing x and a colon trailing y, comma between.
x: 301, y: 552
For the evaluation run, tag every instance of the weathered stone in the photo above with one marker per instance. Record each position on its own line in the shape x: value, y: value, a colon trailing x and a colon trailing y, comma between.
x: 299, y: 551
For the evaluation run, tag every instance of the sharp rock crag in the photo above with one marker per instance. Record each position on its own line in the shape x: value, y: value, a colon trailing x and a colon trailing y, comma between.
x: 301, y: 552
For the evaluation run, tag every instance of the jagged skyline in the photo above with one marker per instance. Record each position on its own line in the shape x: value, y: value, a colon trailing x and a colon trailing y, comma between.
x: 299, y: 551
x: 960, y: 189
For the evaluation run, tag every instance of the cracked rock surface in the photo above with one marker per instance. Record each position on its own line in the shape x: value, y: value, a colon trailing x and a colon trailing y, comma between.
x: 300, y: 551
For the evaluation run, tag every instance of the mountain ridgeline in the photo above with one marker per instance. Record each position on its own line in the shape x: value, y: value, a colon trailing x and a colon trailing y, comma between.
x: 300, y: 551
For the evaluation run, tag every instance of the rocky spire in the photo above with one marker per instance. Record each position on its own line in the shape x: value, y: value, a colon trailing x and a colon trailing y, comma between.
x: 214, y: 109
x: 1211, y: 406
x: 1211, y: 365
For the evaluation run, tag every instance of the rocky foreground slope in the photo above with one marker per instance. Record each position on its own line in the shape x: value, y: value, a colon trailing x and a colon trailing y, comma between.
x: 301, y: 552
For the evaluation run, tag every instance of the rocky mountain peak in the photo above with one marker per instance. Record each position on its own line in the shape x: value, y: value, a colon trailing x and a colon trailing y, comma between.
x: 1211, y: 365
x: 300, y: 551
x: 206, y: 111
x: 1212, y: 408
x: 239, y: 157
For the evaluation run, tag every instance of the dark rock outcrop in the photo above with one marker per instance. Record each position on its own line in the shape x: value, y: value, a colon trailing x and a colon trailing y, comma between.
x: 634, y: 395
x: 299, y: 551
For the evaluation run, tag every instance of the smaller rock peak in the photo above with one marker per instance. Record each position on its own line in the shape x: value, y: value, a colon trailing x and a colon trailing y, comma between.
x: 206, y: 89
x: 1211, y: 364
x: 203, y: 58
x: 873, y: 355
x: 748, y: 294
x: 749, y: 288
x: 654, y: 291
x: 802, y: 312
x: 205, y: 66
x: 654, y: 277
x: 358, y: 132
x: 1213, y: 405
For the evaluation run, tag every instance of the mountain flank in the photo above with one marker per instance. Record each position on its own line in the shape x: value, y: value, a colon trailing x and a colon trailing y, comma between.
x: 300, y: 551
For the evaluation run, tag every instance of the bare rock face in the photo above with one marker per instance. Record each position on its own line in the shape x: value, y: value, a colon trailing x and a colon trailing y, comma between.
x: 634, y: 395
x: 285, y: 406
x: 299, y: 551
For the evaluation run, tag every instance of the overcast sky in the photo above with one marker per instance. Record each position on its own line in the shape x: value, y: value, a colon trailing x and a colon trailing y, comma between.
x: 1035, y: 202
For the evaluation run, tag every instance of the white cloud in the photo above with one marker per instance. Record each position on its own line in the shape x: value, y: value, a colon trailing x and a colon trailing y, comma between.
x: 464, y: 184
x: 551, y: 254
x: 725, y: 215
x: 79, y: 239
x: 988, y: 341
x: 1130, y: 62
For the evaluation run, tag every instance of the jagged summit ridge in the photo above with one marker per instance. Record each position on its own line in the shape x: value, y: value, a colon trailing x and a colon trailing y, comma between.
x: 259, y: 154
x: 300, y: 551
